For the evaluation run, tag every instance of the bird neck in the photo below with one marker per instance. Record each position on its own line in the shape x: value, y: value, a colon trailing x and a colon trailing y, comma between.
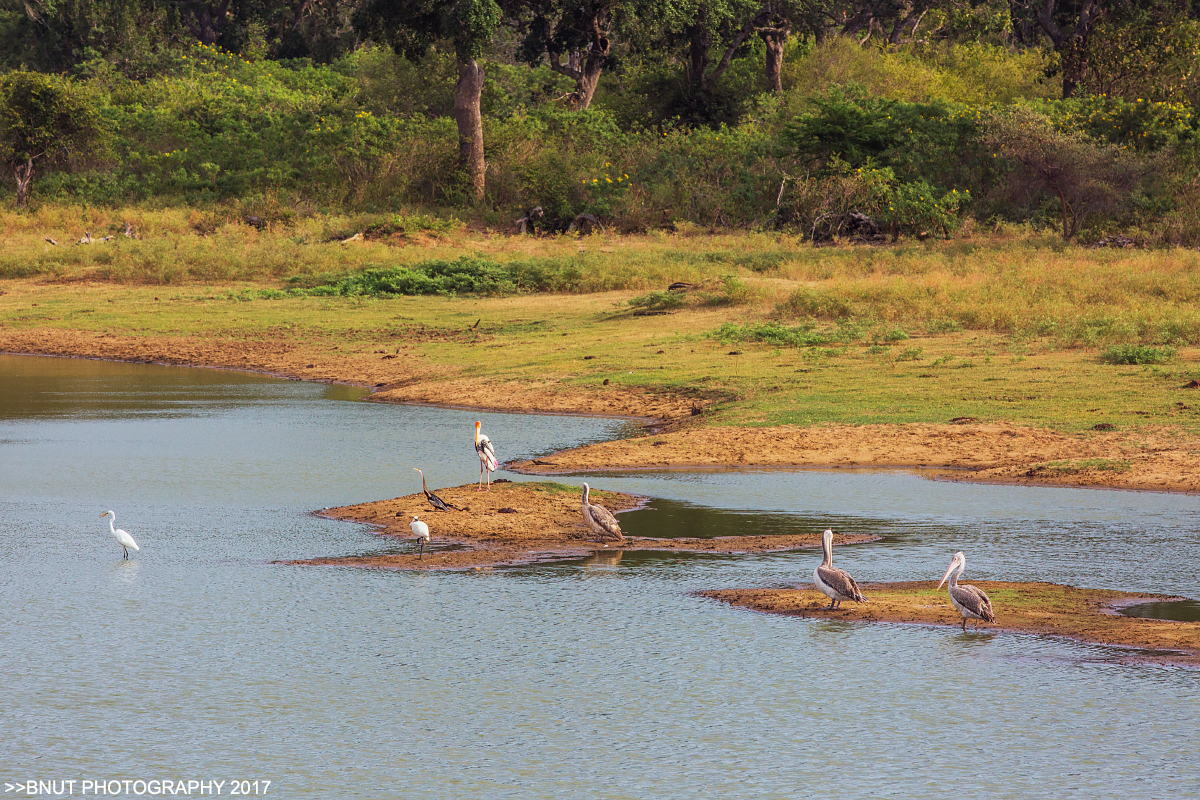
x: 112, y: 523
x: 954, y: 577
x: 827, y: 547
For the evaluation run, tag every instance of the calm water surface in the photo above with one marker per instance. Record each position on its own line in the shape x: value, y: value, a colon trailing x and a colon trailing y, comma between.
x: 199, y: 659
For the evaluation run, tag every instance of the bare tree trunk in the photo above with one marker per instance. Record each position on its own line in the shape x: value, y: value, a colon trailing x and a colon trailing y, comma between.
x: 24, y: 176
x: 470, y: 123
x: 585, y: 87
x: 775, y: 39
x: 698, y: 53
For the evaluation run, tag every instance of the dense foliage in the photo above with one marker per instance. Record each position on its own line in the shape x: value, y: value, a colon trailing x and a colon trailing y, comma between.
x: 639, y: 114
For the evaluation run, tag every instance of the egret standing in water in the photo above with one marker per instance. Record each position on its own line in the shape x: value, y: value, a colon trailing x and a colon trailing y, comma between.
x: 835, y: 583
x: 421, y: 531
x: 968, y: 600
x: 121, y: 536
x: 600, y: 520
x: 487, y: 457
x: 434, y: 500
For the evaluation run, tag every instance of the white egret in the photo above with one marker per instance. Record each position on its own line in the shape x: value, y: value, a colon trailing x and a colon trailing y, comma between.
x: 600, y: 520
x: 126, y: 541
x: 434, y: 500
x: 487, y: 457
x: 421, y: 531
x: 835, y: 583
x: 970, y: 601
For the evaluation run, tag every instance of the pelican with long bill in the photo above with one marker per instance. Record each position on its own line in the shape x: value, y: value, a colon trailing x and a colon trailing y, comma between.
x: 970, y: 601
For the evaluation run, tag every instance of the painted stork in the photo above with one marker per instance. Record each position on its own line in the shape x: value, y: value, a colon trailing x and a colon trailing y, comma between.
x: 421, y: 531
x: 487, y: 456
x: 126, y: 541
x: 435, y: 501
x: 835, y: 583
x: 970, y: 601
x: 600, y: 520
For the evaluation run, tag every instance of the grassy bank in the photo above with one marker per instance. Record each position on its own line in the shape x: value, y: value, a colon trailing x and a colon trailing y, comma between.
x: 1020, y: 329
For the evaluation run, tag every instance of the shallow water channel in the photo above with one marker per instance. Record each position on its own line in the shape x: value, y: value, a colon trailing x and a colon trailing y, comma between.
x: 605, y: 678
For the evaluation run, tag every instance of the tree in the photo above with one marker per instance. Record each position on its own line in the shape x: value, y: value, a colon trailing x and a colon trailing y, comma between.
x: 45, y: 121
x: 1150, y: 52
x: 1085, y: 176
x: 1069, y: 25
x: 578, y: 31
x: 412, y: 27
x: 58, y: 35
x: 724, y: 25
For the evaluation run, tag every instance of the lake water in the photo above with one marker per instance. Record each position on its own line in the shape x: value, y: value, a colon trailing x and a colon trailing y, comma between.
x: 199, y: 659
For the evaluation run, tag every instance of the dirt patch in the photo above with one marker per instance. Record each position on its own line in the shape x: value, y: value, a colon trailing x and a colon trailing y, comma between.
x: 980, y: 452
x: 522, y: 523
x: 1085, y: 615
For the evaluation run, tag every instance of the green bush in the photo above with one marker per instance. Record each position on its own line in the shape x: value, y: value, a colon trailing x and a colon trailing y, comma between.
x: 657, y: 301
x: 774, y: 333
x: 465, y: 275
x: 1138, y: 354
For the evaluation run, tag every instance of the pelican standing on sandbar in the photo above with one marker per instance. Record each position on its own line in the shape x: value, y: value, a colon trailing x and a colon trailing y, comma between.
x: 835, y: 583
x: 970, y: 601
x: 487, y: 456
x: 600, y: 520
x: 434, y: 500
x: 421, y: 531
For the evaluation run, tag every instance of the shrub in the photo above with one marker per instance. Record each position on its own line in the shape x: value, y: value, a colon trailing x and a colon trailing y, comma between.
x: 1138, y: 354
x: 657, y: 301
x: 770, y: 333
x: 465, y: 275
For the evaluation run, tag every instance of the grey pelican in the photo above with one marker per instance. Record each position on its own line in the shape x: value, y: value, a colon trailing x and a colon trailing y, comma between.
x: 600, y: 520
x: 434, y: 500
x: 126, y: 541
x: 835, y: 583
x: 970, y: 601
x: 487, y: 456
x: 421, y: 531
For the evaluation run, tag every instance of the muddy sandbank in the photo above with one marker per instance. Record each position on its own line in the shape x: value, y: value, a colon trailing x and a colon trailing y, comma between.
x: 975, y: 452
x: 523, y: 523
x: 1086, y: 615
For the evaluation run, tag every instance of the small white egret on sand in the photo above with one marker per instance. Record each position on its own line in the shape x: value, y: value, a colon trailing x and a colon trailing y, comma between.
x: 126, y: 541
x: 835, y: 583
x: 435, y: 501
x: 421, y: 531
x: 600, y: 520
x: 487, y: 456
x: 968, y: 600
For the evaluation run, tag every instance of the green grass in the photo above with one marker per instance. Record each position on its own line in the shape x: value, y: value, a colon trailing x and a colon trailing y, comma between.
x: 879, y: 363
x: 1076, y: 466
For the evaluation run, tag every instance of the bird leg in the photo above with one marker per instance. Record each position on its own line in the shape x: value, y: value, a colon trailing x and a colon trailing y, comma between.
x: 964, y: 624
x: 422, y: 556
x: 830, y: 604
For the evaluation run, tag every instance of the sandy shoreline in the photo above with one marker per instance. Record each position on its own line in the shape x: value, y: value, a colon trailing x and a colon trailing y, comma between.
x: 522, y: 523
x: 1085, y: 615
x: 996, y: 452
